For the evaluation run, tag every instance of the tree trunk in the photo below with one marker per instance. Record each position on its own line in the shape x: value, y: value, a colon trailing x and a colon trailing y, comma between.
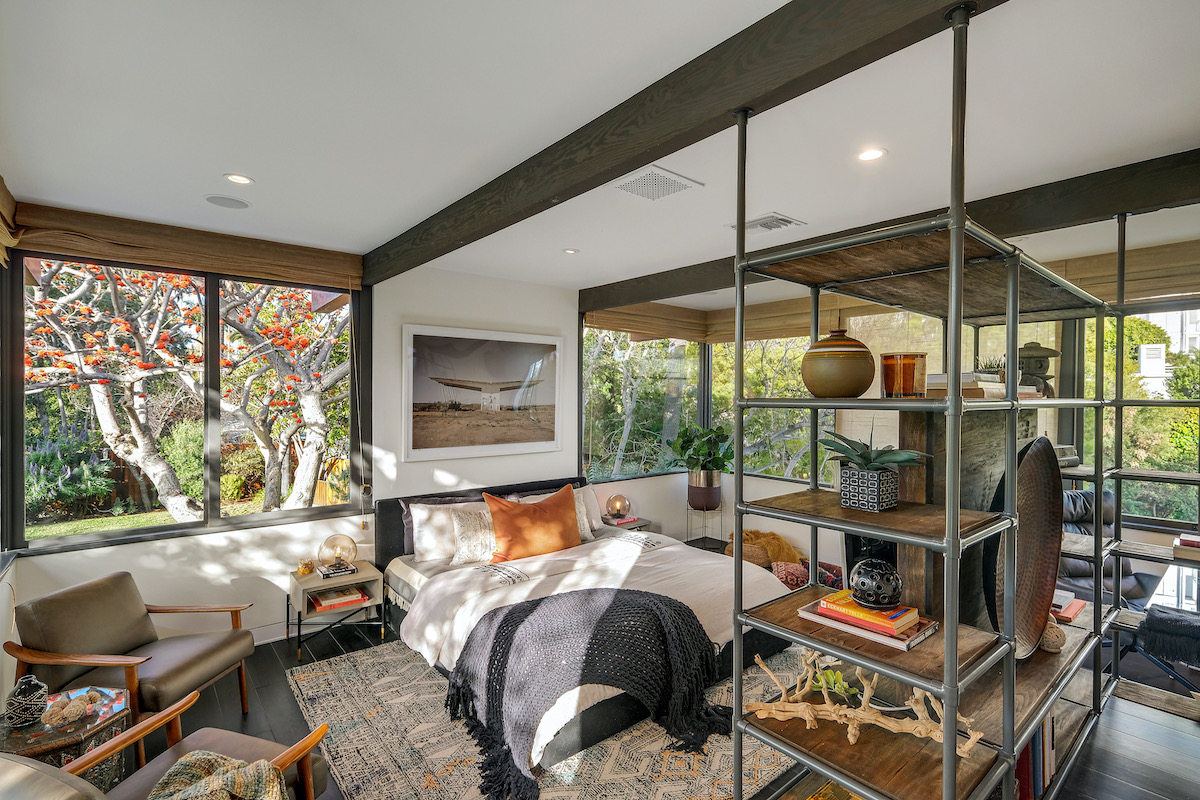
x: 629, y: 392
x: 311, y: 453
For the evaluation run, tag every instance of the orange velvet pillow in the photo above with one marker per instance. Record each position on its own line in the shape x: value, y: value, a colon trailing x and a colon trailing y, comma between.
x: 531, y: 529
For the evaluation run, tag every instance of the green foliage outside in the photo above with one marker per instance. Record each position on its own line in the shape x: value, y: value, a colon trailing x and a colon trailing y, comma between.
x: 65, y: 477
x: 183, y: 447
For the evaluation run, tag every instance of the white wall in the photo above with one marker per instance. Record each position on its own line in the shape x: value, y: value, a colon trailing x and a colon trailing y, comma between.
x: 429, y: 296
x: 247, y: 566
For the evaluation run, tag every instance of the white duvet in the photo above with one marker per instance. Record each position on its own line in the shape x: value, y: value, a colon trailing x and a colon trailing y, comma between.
x: 449, y: 605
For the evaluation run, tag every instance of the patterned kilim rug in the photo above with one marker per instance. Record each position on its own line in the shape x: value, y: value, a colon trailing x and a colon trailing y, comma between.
x: 390, y: 737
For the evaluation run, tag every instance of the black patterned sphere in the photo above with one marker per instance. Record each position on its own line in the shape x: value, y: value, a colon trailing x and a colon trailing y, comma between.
x: 875, y: 584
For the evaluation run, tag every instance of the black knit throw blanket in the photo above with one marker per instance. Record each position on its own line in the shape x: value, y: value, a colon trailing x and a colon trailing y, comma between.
x: 1171, y: 633
x: 521, y: 658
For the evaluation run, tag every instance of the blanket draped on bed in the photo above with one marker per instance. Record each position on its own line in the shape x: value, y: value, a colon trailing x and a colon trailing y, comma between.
x: 521, y: 658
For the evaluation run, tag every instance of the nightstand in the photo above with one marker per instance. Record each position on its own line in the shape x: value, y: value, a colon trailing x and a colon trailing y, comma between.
x: 302, y: 599
x: 639, y: 524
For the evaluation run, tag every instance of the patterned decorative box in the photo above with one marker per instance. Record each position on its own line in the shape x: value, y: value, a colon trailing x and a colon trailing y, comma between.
x: 869, y: 490
x: 65, y: 743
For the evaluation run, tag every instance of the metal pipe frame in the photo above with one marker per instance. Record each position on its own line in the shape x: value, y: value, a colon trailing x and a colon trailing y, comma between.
x: 1008, y: 634
x: 928, y: 225
x: 1158, y: 306
x: 1118, y: 434
x: 1063, y: 768
x: 836, y: 285
x: 742, y: 116
x: 982, y: 234
x: 858, y: 529
x: 1098, y: 518
x: 865, y: 403
x: 960, y: 18
x: 1180, y: 478
x: 1131, y: 402
x: 814, y: 464
x: 984, y: 665
x: 1043, y: 708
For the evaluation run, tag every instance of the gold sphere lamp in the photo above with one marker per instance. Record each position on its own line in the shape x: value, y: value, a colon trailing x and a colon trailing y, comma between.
x: 338, y: 551
x: 618, y: 506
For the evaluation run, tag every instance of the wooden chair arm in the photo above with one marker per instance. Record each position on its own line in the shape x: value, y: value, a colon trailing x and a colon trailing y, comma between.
x: 131, y: 736
x: 31, y: 656
x: 300, y: 749
x: 235, y: 612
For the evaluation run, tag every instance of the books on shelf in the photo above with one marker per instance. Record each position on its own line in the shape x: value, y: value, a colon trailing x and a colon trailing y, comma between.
x: 940, y: 379
x: 1186, y: 551
x: 893, y: 621
x: 326, y: 571
x: 329, y: 599
x: 910, y: 638
x: 1069, y: 612
x: 991, y: 391
x: 1062, y: 599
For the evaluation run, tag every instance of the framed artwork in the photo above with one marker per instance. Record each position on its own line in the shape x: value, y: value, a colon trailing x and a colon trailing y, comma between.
x: 471, y: 393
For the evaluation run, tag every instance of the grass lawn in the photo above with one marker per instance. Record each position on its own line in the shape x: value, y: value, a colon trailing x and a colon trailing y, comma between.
x: 126, y: 521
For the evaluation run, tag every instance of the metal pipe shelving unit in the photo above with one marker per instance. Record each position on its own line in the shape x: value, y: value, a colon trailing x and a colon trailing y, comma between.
x: 964, y: 676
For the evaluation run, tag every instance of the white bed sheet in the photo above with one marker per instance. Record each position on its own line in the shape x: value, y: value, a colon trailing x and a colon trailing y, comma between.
x: 449, y: 605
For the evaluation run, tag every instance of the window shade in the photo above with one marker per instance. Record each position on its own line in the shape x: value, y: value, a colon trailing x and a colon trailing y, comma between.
x: 83, y: 235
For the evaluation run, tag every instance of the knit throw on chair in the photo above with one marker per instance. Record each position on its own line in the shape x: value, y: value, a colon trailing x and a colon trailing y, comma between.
x: 521, y: 658
x: 204, y: 775
x: 1171, y: 633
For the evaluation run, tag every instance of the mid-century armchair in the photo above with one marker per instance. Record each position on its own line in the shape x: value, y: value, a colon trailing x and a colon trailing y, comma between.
x: 99, y: 633
x: 25, y: 779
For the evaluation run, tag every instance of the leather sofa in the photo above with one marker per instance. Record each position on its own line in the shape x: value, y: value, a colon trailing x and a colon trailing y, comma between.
x: 1078, y: 575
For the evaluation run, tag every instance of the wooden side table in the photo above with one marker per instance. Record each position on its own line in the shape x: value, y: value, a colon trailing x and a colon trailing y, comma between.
x: 639, y: 524
x: 62, y: 745
x: 304, y: 587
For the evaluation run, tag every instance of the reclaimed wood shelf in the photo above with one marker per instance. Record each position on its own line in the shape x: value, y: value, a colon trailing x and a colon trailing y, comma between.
x: 1146, y: 551
x: 901, y: 767
x: 926, y: 659
x: 983, y: 701
x: 1082, y: 546
x: 1128, y: 620
x: 925, y: 521
x: 1161, y: 699
x: 911, y: 272
x: 1158, y: 476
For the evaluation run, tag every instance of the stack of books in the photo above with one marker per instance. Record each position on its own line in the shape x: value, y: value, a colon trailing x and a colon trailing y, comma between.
x: 329, y: 571
x: 1035, y: 765
x: 1065, y: 607
x: 901, y: 628
x: 610, y: 520
x: 976, y: 386
x: 1187, y: 547
x: 329, y: 599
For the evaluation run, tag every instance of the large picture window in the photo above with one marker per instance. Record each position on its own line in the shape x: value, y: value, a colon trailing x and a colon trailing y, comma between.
x: 116, y: 377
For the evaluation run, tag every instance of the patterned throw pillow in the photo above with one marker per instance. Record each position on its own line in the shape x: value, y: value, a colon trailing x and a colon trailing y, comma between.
x: 474, y: 539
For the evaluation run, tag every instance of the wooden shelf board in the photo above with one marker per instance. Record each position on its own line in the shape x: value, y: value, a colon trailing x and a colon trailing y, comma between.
x: 1128, y: 620
x: 1161, y: 699
x: 927, y: 291
x: 915, y: 519
x: 1069, y: 719
x: 902, y: 767
x: 1158, y: 476
x: 926, y: 659
x: 983, y: 701
x: 1080, y: 545
x: 1146, y: 551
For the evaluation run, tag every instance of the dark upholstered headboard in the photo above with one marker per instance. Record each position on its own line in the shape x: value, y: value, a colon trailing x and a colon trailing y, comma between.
x: 392, y: 536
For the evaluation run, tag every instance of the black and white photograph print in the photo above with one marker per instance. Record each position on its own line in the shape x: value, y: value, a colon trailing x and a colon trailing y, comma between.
x: 479, y: 393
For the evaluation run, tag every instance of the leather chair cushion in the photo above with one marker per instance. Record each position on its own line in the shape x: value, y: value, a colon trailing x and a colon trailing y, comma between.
x: 105, y: 616
x: 235, y: 745
x: 25, y: 779
x: 178, y: 665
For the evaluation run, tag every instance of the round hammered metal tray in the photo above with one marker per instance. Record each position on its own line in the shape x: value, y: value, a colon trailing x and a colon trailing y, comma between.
x: 1039, y: 540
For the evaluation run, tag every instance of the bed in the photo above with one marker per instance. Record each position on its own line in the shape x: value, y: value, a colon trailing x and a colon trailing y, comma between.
x: 443, y: 600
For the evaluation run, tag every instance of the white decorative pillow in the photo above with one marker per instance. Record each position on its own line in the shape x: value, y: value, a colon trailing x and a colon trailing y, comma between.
x: 433, y: 528
x: 474, y: 539
x: 581, y: 512
x: 592, y: 505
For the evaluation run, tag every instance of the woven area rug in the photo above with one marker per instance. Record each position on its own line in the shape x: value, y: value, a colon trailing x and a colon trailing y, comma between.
x: 390, y: 736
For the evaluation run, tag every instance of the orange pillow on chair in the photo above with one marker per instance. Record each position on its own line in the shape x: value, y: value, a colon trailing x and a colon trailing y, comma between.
x: 531, y: 529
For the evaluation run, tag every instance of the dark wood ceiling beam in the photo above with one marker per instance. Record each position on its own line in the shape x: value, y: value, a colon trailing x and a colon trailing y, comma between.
x: 1140, y: 188
x: 799, y: 47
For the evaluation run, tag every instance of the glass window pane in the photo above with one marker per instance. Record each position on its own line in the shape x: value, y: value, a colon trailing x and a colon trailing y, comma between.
x: 285, y: 398
x: 114, y: 361
x: 636, y: 397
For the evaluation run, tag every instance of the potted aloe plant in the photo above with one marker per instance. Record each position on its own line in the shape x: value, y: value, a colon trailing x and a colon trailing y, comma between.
x: 869, y: 477
x: 706, y: 452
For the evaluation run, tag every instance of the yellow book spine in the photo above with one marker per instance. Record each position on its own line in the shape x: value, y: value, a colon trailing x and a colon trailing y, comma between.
x: 843, y: 603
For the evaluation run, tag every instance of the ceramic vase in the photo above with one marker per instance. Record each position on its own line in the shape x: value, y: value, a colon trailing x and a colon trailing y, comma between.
x: 838, y: 366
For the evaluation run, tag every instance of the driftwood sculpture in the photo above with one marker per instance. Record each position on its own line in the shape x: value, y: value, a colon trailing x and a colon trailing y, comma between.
x: 794, y: 704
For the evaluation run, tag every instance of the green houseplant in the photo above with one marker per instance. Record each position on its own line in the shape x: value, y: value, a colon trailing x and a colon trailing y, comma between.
x: 869, y: 476
x: 706, y: 452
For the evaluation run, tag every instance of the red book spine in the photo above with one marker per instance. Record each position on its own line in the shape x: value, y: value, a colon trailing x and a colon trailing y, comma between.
x: 862, y: 623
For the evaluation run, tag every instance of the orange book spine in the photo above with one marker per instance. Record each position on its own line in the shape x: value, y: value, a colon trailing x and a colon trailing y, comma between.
x: 843, y: 603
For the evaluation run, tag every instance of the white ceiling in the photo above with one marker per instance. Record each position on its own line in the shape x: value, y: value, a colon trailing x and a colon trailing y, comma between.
x: 358, y: 121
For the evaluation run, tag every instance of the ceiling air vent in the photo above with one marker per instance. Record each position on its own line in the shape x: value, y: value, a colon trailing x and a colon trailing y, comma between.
x: 770, y: 222
x: 655, y: 183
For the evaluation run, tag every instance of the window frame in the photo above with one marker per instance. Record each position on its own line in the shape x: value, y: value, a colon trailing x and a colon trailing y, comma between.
x: 12, y: 420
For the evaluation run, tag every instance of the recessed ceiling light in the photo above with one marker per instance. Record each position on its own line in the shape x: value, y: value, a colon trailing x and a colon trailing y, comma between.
x: 872, y: 153
x: 570, y: 251
x: 242, y: 180
x: 224, y: 201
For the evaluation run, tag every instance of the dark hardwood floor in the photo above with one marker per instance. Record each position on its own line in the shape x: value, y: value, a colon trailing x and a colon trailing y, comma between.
x: 1136, y: 752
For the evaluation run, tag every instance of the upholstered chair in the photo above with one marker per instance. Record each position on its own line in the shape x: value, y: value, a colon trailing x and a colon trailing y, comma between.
x: 304, y: 771
x: 99, y: 633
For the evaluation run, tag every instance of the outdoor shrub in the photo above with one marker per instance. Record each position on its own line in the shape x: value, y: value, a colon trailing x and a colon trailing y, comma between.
x: 64, y: 476
x: 183, y: 447
x: 232, y: 488
x: 247, y: 463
